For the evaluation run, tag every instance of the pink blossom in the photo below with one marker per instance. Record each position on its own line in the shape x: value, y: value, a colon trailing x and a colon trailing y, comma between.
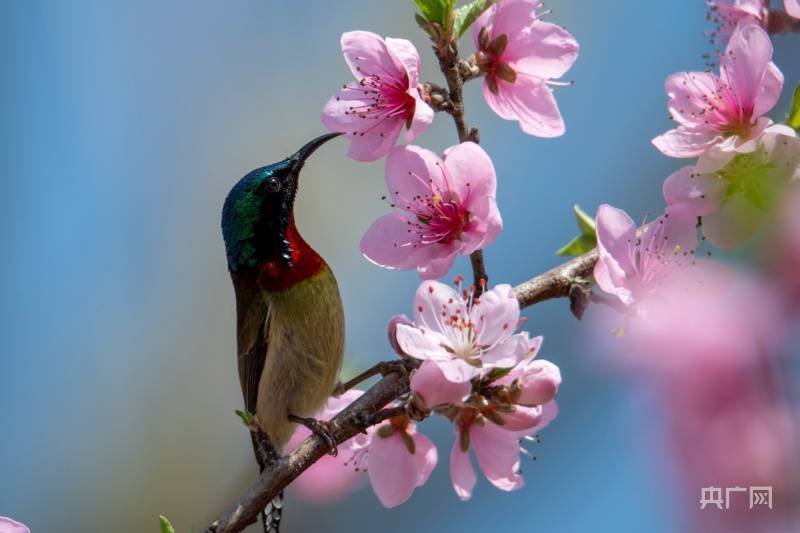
x: 385, y: 97
x: 792, y: 7
x: 728, y: 14
x: 497, y: 449
x: 535, y: 381
x: 521, y: 56
x: 723, y: 113
x: 633, y: 266
x: 442, y: 209
x: 732, y: 200
x: 464, y: 336
x: 397, y: 458
x: 330, y: 478
x: 7, y: 525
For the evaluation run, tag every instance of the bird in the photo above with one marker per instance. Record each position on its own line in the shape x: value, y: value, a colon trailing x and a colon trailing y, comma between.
x: 289, y: 315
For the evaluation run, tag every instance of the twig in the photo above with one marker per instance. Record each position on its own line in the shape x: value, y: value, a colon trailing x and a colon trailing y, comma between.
x: 558, y: 282
x: 781, y: 22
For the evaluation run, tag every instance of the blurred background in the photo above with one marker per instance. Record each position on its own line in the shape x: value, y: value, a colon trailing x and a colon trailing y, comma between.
x: 124, y: 125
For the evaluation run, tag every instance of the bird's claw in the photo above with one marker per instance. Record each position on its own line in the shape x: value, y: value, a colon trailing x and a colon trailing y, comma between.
x: 322, y: 428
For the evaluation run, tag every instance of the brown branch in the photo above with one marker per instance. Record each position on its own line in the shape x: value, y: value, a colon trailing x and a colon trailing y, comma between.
x: 369, y: 409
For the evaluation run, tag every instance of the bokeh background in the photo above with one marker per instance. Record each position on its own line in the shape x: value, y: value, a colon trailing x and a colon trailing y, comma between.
x: 123, y: 126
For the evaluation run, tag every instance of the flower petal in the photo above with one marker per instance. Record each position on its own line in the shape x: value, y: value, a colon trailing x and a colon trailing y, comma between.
x: 792, y: 7
x: 530, y: 101
x: 497, y: 451
x: 408, y: 56
x: 745, y: 63
x: 683, y: 142
x: 461, y: 472
x: 425, y: 457
x: 470, y: 172
x: 423, y: 116
x: 433, y: 388
x: 366, y: 53
x: 431, y: 300
x: 543, y: 49
x: 496, y: 314
x: 391, y: 470
x: 702, y: 192
x: 411, y: 173
x: 420, y: 343
x: 388, y: 244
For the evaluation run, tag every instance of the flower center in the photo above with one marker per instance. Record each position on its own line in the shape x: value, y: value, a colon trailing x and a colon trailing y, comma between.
x: 381, y: 95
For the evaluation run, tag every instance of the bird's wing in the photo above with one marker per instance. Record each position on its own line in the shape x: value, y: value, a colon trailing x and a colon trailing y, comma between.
x: 252, y: 334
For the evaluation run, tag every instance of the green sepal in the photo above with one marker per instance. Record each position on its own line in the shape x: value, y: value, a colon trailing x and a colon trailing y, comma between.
x: 497, y: 373
x: 246, y: 416
x: 166, y: 527
x: 793, y: 119
x: 586, y: 240
x: 466, y: 15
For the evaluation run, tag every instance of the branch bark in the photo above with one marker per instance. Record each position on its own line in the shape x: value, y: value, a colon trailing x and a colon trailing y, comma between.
x: 368, y: 410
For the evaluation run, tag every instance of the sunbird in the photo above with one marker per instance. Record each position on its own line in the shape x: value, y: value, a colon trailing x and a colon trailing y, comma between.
x: 289, y: 316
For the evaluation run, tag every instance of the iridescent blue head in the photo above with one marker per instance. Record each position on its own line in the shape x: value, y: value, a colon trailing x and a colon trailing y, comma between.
x: 258, y: 211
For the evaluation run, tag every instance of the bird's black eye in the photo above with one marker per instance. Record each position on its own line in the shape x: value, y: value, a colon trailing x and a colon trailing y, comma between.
x: 273, y: 184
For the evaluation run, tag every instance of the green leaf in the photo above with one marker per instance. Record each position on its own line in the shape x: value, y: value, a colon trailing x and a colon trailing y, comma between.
x: 794, y: 115
x: 586, y: 240
x: 585, y: 222
x: 437, y: 11
x: 246, y: 416
x: 579, y: 245
x: 466, y: 15
x: 166, y: 527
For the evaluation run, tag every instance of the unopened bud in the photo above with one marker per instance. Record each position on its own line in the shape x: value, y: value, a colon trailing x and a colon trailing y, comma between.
x: 539, y: 384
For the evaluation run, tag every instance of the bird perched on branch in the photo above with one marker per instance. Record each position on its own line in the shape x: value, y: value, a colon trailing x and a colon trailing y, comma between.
x: 289, y: 317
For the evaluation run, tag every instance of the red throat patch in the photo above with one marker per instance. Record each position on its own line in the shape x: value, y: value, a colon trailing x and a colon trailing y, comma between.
x: 275, y: 275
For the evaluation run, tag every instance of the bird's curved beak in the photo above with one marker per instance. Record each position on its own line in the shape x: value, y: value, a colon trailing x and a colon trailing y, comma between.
x: 309, y: 148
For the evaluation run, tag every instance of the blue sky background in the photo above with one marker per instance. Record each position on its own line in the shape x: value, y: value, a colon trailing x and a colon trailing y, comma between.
x: 124, y: 124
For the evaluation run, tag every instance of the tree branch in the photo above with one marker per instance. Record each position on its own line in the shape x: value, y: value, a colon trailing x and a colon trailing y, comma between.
x: 368, y: 409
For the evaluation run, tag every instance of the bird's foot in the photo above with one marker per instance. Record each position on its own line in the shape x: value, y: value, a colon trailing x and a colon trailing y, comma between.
x: 322, y: 428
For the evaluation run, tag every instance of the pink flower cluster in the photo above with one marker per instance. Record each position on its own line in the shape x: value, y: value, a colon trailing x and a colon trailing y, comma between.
x: 445, y: 208
x: 478, y: 372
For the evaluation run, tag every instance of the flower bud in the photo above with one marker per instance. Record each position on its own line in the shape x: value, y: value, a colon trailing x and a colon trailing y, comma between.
x: 392, y: 332
x: 539, y: 384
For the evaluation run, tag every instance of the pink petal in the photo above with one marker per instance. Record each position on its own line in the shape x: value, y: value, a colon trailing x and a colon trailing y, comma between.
x: 496, y: 314
x: 470, y: 172
x: 425, y: 457
x: 539, y: 383
x: 404, y: 50
x: 421, y: 344
x: 616, y: 234
x: 7, y: 525
x: 367, y: 53
x: 457, y: 370
x: 430, y: 384
x: 411, y: 172
x: 792, y: 7
x: 388, y: 244
x: 771, y: 87
x: 497, y: 451
x: 429, y: 301
x: 522, y: 418
x: 439, y: 260
x: 391, y: 332
x: 702, y: 192
x: 688, y: 93
x: 461, y: 472
x: 530, y: 101
x: 745, y: 62
x: 510, y: 17
x: 682, y: 142
x: 506, y: 354
x: 484, y: 226
x: 544, y: 50
x: 392, y: 470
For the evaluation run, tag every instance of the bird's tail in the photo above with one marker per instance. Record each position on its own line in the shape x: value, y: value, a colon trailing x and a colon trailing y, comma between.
x: 271, y: 516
